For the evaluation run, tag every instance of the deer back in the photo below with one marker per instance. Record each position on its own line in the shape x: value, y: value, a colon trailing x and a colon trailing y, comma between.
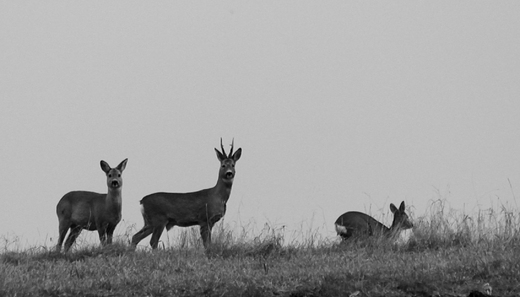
x: 355, y: 223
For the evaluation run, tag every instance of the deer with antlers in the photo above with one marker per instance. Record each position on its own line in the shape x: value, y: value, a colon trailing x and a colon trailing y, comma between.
x: 204, y: 208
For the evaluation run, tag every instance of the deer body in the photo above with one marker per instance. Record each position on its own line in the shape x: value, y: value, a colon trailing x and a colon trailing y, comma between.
x: 204, y: 208
x: 359, y: 224
x: 92, y: 211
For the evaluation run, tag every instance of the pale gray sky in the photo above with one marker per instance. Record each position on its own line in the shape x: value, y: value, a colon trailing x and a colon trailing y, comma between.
x: 337, y: 105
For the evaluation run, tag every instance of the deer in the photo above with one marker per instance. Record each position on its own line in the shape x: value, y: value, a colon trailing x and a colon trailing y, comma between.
x: 78, y: 210
x: 203, y: 208
x: 358, y: 224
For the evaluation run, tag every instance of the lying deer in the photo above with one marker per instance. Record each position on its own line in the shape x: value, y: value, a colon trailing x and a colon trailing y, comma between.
x: 358, y: 224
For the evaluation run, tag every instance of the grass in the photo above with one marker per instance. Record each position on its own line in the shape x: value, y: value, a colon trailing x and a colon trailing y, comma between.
x: 451, y: 254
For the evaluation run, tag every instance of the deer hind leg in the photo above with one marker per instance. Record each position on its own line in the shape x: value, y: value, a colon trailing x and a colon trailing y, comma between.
x: 346, y: 235
x: 74, y: 233
x: 63, y: 228
x: 157, y: 231
x: 145, y: 231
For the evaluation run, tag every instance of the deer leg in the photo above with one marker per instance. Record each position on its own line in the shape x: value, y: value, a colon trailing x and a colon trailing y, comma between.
x: 157, y: 231
x: 147, y: 230
x: 205, y: 233
x: 74, y: 233
x: 345, y: 236
x: 62, y: 232
x: 102, y: 231
x: 110, y: 233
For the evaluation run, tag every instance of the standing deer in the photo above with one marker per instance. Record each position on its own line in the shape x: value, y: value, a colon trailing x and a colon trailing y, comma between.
x: 80, y: 210
x: 203, y: 208
x: 355, y: 223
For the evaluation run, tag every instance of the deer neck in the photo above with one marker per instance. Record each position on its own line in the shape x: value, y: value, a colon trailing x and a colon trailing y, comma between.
x: 113, y: 200
x: 394, y: 230
x: 222, y: 189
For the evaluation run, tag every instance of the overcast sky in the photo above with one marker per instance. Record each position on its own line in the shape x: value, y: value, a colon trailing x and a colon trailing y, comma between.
x: 337, y: 105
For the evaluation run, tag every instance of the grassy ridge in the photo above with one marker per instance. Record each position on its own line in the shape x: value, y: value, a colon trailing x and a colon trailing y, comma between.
x: 450, y: 255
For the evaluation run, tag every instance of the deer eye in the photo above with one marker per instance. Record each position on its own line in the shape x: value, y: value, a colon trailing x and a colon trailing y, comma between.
x: 110, y: 175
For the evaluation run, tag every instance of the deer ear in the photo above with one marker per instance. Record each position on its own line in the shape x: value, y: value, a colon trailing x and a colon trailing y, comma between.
x: 393, y: 208
x: 104, y: 166
x: 401, y: 207
x: 220, y: 156
x: 237, y: 155
x: 122, y: 165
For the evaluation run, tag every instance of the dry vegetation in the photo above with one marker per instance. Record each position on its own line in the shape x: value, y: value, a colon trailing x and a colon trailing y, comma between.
x: 451, y: 254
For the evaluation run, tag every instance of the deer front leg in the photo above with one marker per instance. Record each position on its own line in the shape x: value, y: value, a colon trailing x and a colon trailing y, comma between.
x: 102, y: 231
x: 110, y: 233
x: 205, y: 233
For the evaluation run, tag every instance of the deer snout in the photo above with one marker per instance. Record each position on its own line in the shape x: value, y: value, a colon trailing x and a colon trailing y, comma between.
x: 229, y: 174
x: 115, y: 184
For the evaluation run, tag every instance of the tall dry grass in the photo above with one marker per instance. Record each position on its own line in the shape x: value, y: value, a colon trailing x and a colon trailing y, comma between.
x: 450, y: 254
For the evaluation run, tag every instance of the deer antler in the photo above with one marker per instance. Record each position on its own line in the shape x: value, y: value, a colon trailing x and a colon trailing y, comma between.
x: 231, y: 151
x: 222, y: 147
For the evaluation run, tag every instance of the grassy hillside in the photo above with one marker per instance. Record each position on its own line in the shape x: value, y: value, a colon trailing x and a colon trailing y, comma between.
x: 450, y: 255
